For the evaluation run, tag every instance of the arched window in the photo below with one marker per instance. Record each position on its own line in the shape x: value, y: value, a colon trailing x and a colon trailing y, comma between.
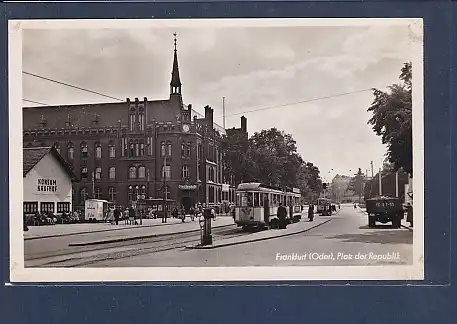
x: 144, y: 191
x: 141, y: 149
x: 188, y: 149
x: 83, y: 195
x: 112, y: 194
x: 57, y: 147
x: 141, y: 120
x: 84, y: 149
x: 166, y: 171
x: 132, y: 121
x: 162, y: 149
x: 97, y: 193
x: 185, y: 172
x: 137, y: 149
x: 70, y: 151
x: 132, y: 150
x: 141, y: 172
x: 132, y: 172
x: 169, y: 149
x: 112, y: 173
x: 84, y: 172
x: 183, y: 149
x: 137, y: 192
x: 98, y: 173
x: 112, y: 150
x: 98, y: 150
x: 130, y: 193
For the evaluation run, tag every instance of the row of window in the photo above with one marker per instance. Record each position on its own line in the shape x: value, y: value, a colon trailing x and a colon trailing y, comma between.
x: 31, y: 207
x: 134, y: 172
x: 133, y: 193
x: 134, y: 148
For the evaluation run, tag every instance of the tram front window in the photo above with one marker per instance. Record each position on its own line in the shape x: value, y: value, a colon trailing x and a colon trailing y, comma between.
x: 246, y: 199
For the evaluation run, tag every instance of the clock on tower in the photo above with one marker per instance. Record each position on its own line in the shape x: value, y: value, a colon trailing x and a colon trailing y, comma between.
x: 185, y: 128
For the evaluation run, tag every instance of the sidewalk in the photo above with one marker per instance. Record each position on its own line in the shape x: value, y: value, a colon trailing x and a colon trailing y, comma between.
x: 292, y: 229
x: 48, y: 231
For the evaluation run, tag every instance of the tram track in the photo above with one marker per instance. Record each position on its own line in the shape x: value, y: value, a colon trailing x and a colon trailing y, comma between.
x: 87, y: 256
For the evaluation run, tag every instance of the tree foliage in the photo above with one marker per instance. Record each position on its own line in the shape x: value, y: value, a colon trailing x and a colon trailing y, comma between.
x: 270, y: 157
x: 392, y: 120
x: 356, y: 183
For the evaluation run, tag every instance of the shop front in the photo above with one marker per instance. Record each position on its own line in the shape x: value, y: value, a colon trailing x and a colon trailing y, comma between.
x: 47, y: 182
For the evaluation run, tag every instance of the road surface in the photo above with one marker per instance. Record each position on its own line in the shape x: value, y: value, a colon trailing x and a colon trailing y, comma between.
x: 345, y: 240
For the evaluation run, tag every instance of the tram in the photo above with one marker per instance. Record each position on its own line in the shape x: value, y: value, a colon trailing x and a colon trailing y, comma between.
x: 324, y: 206
x: 257, y: 205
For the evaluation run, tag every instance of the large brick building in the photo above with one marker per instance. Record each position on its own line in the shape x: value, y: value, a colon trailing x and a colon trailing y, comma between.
x: 138, y: 148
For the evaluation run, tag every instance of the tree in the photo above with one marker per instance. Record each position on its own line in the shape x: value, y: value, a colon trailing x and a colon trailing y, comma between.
x: 270, y: 157
x: 236, y: 159
x: 275, y: 158
x: 357, y: 182
x: 392, y: 120
x: 339, y: 187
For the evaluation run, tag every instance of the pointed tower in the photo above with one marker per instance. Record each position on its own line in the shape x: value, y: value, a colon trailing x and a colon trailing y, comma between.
x: 175, y: 84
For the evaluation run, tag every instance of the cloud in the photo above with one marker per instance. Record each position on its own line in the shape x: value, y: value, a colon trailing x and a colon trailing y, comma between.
x: 252, y: 68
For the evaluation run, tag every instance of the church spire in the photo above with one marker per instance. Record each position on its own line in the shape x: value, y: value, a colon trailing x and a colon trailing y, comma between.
x: 175, y: 84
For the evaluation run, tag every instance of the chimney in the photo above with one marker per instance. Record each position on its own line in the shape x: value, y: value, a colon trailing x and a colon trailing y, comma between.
x: 189, y: 108
x: 209, y: 116
x: 244, y: 126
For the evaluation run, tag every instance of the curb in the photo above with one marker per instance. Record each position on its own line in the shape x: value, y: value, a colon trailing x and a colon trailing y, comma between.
x: 97, y: 231
x: 136, y: 237
x: 208, y: 247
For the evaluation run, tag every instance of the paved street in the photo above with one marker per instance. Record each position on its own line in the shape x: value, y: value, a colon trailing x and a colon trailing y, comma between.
x: 344, y: 240
x: 77, y: 238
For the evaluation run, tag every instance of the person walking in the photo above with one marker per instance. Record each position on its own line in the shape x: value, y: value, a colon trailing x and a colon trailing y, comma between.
x: 311, y: 212
x: 409, y: 214
x: 282, y: 214
x: 117, y: 213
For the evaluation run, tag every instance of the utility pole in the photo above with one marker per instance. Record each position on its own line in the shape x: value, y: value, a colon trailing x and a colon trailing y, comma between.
x: 372, y: 172
x: 380, y: 182
x: 396, y: 184
x: 223, y: 112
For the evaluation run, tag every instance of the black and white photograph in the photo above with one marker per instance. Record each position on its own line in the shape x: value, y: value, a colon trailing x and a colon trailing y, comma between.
x: 216, y: 150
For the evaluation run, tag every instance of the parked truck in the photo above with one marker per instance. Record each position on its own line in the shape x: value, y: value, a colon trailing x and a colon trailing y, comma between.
x: 384, y: 209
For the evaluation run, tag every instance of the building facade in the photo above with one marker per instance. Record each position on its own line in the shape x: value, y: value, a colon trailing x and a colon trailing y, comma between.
x: 136, y: 149
x: 47, y: 182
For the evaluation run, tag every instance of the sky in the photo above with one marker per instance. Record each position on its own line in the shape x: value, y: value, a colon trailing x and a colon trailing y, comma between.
x: 252, y: 67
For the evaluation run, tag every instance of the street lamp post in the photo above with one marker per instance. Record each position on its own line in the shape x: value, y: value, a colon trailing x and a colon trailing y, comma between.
x: 165, y: 191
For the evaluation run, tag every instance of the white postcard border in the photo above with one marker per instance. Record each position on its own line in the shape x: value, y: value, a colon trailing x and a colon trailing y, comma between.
x: 18, y: 273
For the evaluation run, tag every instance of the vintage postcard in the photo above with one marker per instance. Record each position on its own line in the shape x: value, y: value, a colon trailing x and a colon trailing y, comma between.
x: 216, y: 150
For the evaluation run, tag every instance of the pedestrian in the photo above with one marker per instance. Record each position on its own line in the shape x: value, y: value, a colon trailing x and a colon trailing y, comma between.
x: 26, y: 228
x: 311, y: 212
x: 409, y: 214
x: 213, y: 213
x: 282, y: 214
x: 117, y: 213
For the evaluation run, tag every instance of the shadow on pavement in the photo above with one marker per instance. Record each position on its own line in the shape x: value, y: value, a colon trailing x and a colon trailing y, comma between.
x: 387, y: 226
x: 381, y: 237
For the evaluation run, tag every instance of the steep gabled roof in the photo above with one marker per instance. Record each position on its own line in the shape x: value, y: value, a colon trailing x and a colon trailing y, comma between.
x: 33, y: 155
